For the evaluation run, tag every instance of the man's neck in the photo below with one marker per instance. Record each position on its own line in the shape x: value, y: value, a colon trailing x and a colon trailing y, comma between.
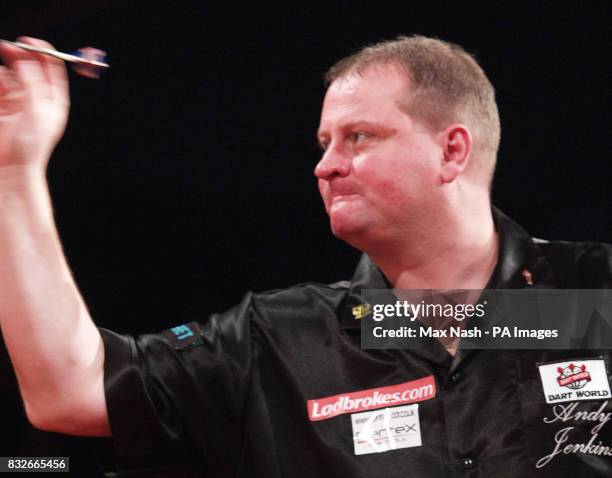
x: 462, y: 255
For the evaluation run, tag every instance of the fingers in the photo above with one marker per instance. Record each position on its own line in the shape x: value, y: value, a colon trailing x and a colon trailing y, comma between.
x: 11, y: 90
x: 8, y: 83
x: 40, y: 75
x: 27, y: 70
x: 10, y: 54
x: 54, y: 69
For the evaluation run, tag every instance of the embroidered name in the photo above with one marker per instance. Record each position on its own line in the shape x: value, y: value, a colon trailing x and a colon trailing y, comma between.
x: 594, y: 446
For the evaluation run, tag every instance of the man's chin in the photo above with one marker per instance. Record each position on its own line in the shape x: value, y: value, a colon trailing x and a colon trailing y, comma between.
x: 346, y: 230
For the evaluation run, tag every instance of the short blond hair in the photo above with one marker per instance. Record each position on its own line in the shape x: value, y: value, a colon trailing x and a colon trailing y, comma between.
x: 447, y: 86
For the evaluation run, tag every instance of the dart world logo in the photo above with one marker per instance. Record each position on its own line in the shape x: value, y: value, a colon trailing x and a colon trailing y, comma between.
x: 580, y: 379
x: 573, y: 377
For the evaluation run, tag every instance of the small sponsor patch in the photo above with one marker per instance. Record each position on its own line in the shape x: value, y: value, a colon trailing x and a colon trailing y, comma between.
x: 408, y: 392
x: 387, y: 429
x: 575, y: 380
x: 361, y: 311
x: 184, y: 337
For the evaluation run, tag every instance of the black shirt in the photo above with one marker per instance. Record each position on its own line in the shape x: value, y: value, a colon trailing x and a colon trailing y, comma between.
x: 228, y: 396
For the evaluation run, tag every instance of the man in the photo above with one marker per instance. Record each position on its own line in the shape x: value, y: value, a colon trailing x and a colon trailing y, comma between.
x: 279, y: 385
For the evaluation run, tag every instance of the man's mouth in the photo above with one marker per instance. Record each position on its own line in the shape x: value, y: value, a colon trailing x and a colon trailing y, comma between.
x: 338, y: 198
x: 342, y: 197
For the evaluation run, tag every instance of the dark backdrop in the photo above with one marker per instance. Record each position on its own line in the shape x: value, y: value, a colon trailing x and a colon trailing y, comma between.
x: 185, y: 175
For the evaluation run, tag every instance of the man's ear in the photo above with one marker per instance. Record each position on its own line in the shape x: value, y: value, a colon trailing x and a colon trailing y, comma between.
x: 457, y: 143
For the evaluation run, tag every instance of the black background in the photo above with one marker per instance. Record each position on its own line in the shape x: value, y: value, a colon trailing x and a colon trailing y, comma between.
x: 185, y: 175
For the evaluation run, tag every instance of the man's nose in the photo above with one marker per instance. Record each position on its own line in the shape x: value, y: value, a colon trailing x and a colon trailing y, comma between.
x: 333, y: 163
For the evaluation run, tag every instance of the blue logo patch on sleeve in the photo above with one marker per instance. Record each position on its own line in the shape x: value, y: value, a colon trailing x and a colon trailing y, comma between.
x: 182, y: 332
x: 184, y: 337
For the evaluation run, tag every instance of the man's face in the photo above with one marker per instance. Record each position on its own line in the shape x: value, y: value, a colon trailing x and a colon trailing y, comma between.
x: 379, y: 175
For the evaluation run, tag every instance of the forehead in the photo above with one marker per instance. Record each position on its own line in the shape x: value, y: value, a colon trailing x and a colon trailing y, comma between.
x: 372, y: 95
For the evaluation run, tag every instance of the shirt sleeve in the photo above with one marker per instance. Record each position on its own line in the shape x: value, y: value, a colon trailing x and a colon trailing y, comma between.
x: 176, y: 400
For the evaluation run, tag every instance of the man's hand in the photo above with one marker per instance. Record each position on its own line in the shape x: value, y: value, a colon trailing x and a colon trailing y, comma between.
x: 34, y: 104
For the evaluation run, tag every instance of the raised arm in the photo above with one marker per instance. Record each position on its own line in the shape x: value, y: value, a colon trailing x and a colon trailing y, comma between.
x: 56, y: 350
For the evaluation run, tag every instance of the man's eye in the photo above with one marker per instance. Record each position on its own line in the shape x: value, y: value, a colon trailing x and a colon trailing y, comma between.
x: 359, y: 137
x: 323, y: 145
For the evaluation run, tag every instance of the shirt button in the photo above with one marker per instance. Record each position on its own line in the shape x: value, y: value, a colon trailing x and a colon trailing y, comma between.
x: 468, y: 463
x: 455, y: 377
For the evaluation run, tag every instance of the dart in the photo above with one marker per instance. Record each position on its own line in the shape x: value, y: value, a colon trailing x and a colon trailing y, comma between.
x: 86, y: 61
